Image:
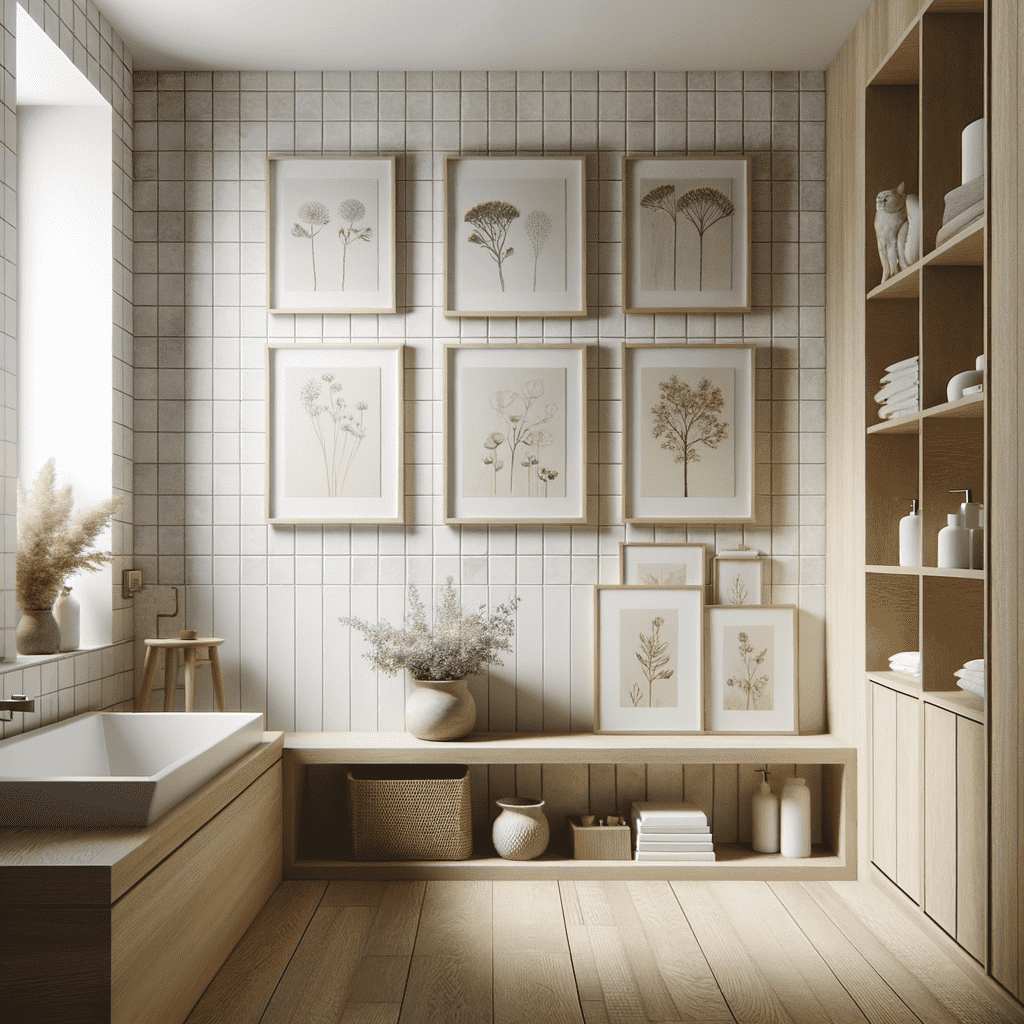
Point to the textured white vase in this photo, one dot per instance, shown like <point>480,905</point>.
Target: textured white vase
<point>795,819</point>
<point>521,831</point>
<point>440,709</point>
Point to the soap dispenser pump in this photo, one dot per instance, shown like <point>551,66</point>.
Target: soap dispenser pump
<point>910,536</point>
<point>765,808</point>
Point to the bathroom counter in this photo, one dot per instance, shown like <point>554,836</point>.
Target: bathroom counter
<point>97,866</point>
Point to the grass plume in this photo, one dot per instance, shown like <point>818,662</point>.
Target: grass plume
<point>53,543</point>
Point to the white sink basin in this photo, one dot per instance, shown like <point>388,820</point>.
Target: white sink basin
<point>106,769</point>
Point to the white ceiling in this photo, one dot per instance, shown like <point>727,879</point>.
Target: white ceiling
<point>528,35</point>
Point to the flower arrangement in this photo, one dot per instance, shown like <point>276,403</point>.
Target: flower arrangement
<point>53,543</point>
<point>459,644</point>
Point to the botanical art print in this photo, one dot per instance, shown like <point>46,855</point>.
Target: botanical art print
<point>514,236</point>
<point>749,663</point>
<point>648,658</point>
<point>515,433</point>
<point>648,673</point>
<point>737,580</point>
<point>335,441</point>
<point>331,234</point>
<point>686,234</point>
<point>342,409</point>
<point>662,565</point>
<point>689,447</point>
<point>518,432</point>
<point>687,432</point>
<point>752,684</point>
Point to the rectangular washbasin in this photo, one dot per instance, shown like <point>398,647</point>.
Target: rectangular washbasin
<point>105,769</point>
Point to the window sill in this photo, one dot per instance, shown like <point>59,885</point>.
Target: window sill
<point>29,660</point>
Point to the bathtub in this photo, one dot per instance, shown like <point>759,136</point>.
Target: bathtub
<point>105,769</point>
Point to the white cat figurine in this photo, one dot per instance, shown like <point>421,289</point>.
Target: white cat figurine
<point>890,217</point>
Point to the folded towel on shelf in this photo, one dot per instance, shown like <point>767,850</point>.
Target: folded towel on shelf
<point>969,673</point>
<point>975,686</point>
<point>906,661</point>
<point>971,214</point>
<point>887,412</point>
<point>896,394</point>
<point>977,665</point>
<point>963,197</point>
<point>903,364</point>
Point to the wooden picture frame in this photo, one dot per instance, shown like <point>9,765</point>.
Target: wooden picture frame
<point>648,659</point>
<point>651,564</point>
<point>335,434</point>
<point>738,580</point>
<point>743,672</point>
<point>515,236</point>
<point>686,234</point>
<point>667,390</point>
<point>515,434</point>
<point>330,241</point>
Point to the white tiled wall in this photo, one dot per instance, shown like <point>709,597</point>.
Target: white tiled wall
<point>98,679</point>
<point>275,593</point>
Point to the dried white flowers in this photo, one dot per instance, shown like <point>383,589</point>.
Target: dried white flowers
<point>52,542</point>
<point>459,645</point>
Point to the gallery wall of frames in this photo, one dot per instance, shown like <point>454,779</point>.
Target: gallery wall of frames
<point>569,252</point>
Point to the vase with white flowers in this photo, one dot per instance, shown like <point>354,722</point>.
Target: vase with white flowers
<point>439,658</point>
<point>53,544</point>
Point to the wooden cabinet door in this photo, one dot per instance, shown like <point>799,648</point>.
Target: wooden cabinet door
<point>971,872</point>
<point>908,795</point>
<point>940,771</point>
<point>883,779</point>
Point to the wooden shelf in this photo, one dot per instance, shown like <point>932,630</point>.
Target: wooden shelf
<point>839,787</point>
<point>965,249</point>
<point>902,681</point>
<point>970,407</point>
<point>564,748</point>
<point>734,861</point>
<point>926,570</point>
<point>961,702</point>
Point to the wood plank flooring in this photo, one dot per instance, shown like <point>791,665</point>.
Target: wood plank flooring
<point>644,952</point>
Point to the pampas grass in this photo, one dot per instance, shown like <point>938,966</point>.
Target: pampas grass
<point>53,543</point>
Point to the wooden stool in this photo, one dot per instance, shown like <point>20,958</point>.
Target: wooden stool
<point>170,647</point>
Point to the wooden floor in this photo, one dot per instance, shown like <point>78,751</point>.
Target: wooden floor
<point>591,953</point>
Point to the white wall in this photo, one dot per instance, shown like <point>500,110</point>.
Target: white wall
<point>275,593</point>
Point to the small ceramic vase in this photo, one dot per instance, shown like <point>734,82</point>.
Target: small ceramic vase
<point>521,831</point>
<point>68,613</point>
<point>37,632</point>
<point>440,709</point>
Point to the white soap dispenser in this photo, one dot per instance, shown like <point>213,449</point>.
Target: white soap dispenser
<point>910,536</point>
<point>970,510</point>
<point>953,550</point>
<point>765,810</point>
<point>795,819</point>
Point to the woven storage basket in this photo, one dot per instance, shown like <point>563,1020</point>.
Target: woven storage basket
<point>600,842</point>
<point>410,812</point>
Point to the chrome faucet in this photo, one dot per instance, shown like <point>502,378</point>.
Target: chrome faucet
<point>18,702</point>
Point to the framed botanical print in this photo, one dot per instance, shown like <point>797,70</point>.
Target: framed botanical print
<point>686,234</point>
<point>331,234</point>
<point>687,433</point>
<point>752,681</point>
<point>335,437</point>
<point>737,580</point>
<point>648,659</point>
<point>515,434</point>
<point>659,565</point>
<point>515,236</point>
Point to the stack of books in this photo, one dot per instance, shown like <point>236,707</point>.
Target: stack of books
<point>673,830</point>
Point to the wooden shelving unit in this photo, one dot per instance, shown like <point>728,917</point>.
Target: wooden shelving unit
<point>315,842</point>
<point>931,85</point>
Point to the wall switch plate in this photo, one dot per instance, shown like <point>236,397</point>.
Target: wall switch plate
<point>131,581</point>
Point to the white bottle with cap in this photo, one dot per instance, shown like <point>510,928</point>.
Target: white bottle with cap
<point>765,823</point>
<point>953,539</point>
<point>972,519</point>
<point>910,536</point>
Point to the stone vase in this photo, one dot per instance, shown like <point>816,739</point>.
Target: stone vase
<point>37,632</point>
<point>521,831</point>
<point>440,709</point>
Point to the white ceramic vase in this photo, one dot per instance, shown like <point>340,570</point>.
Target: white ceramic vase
<point>521,831</point>
<point>440,709</point>
<point>68,613</point>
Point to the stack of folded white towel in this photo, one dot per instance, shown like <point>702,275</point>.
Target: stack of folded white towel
<point>972,677</point>
<point>901,389</point>
<point>906,661</point>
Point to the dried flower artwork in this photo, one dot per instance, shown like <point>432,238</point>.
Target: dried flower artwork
<point>53,543</point>
<point>749,680</point>
<point>649,657</point>
<point>458,645</point>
